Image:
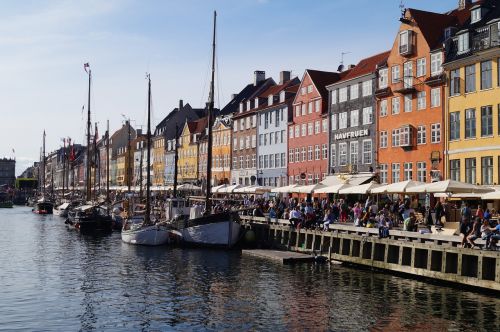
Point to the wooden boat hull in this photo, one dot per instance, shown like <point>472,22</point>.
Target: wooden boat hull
<point>153,235</point>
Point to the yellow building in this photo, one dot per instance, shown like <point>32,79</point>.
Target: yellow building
<point>221,151</point>
<point>121,167</point>
<point>188,150</point>
<point>158,159</point>
<point>473,102</point>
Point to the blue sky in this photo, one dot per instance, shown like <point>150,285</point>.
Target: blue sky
<point>45,43</point>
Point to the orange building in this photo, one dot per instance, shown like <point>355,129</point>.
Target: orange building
<point>410,98</point>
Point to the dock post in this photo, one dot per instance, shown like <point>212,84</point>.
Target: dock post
<point>459,264</point>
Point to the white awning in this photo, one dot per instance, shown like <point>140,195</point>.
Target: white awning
<point>352,179</point>
<point>361,189</point>
<point>285,189</point>
<point>334,189</point>
<point>397,188</point>
<point>308,189</point>
<point>450,186</point>
<point>188,186</point>
<point>228,189</point>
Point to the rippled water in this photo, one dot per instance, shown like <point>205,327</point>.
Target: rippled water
<point>54,279</point>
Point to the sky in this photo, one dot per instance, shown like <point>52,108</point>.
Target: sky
<point>44,44</point>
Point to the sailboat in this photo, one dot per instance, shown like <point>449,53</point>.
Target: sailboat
<point>139,229</point>
<point>205,229</point>
<point>90,217</point>
<point>43,205</point>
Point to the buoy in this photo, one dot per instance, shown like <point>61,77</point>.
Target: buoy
<point>249,236</point>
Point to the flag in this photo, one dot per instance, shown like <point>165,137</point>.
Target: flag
<point>85,66</point>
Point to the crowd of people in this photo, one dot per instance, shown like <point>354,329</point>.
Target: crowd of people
<point>404,214</point>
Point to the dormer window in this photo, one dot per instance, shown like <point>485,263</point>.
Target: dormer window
<point>463,42</point>
<point>256,102</point>
<point>241,107</point>
<point>448,32</point>
<point>270,100</point>
<point>406,42</point>
<point>282,96</point>
<point>475,15</point>
<point>249,104</point>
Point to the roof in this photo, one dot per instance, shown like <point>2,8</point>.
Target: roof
<point>198,126</point>
<point>276,89</point>
<point>323,78</point>
<point>248,92</point>
<point>366,66</point>
<point>176,117</point>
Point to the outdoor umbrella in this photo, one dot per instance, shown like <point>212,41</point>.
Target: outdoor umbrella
<point>361,189</point>
<point>449,186</point>
<point>397,188</point>
<point>334,189</point>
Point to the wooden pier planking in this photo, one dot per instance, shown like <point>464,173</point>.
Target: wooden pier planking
<point>285,257</point>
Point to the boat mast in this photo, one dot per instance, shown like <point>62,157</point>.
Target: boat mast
<point>107,161</point>
<point>88,184</point>
<point>64,166</point>
<point>97,186</point>
<point>140,171</point>
<point>43,163</point>
<point>129,173</point>
<point>176,155</point>
<point>209,116</point>
<point>148,159</point>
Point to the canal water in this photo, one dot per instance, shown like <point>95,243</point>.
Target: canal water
<point>54,279</point>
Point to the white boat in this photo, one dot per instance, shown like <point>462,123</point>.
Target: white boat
<point>218,234</point>
<point>61,210</point>
<point>135,232</point>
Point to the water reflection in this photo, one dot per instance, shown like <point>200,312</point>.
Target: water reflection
<point>67,281</point>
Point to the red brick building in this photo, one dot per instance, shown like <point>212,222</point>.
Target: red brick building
<point>308,130</point>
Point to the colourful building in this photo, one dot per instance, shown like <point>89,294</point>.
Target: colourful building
<point>308,129</point>
<point>473,103</point>
<point>188,150</point>
<point>221,150</point>
<point>158,159</point>
<point>410,95</point>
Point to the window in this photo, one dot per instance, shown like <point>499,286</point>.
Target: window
<point>235,162</point>
<point>310,128</point>
<point>396,169</point>
<point>304,130</point>
<point>354,152</point>
<point>383,107</point>
<point>407,171</point>
<point>354,118</point>
<point>382,78</point>
<point>463,42</point>
<point>486,73</point>
<point>470,78</point>
<point>421,171</point>
<point>395,105</point>
<point>487,170</point>
<point>408,74</point>
<point>309,88</point>
<point>486,121</point>
<point>290,132</point>
<point>395,74</point>
<point>303,90</point>
<point>404,45</point>
<point>317,128</point>
<point>317,152</point>
<point>266,161</point>
<point>334,121</point>
<point>297,155</point>
<point>317,105</point>
<point>310,107</point>
<point>342,95</point>
<point>408,103</point>
<point>271,161</point>
<point>421,135</point>
<point>290,156</point>
<point>242,143</point>
<point>405,136</point>
<point>436,63</point>
<point>455,169</point>
<point>455,82</point>
<point>354,91</point>
<point>297,111</point>
<point>248,161</point>
<point>334,97</point>
<point>310,153</point>
<point>265,139</point>
<point>235,144</point>
<point>297,131</point>
<point>333,156</point>
<point>367,151</point>
<point>324,149</point>
<point>475,15</point>
<point>436,97</point>
<point>283,159</point>
<point>242,164</point>
<point>283,137</point>
<point>247,142</point>
<point>383,173</point>
<point>435,133</point>
<point>470,123</point>
<point>470,170</point>
<point>383,139</point>
<point>367,88</point>
<point>342,154</point>
<point>454,126</point>
<point>395,137</point>
<point>343,120</point>
<point>421,100</point>
<point>254,139</point>
<point>367,115</point>
<point>303,109</point>
<point>325,125</point>
<point>421,67</point>
<point>242,124</point>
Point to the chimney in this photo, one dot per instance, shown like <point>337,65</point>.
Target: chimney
<point>284,76</point>
<point>233,96</point>
<point>258,76</point>
<point>139,132</point>
<point>351,66</point>
<point>462,4</point>
<point>181,104</point>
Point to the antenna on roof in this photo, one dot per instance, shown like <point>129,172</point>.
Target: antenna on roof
<point>341,67</point>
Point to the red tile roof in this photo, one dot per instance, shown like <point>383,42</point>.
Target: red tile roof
<point>366,66</point>
<point>196,127</point>
<point>323,78</point>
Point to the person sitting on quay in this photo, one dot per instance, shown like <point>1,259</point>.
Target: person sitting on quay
<point>475,232</point>
<point>486,233</point>
<point>495,236</point>
<point>295,217</point>
<point>327,219</point>
<point>357,214</point>
<point>465,219</point>
<point>410,223</point>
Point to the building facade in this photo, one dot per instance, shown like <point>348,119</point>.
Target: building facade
<point>308,129</point>
<point>353,132</point>
<point>244,154</point>
<point>473,103</point>
<point>272,130</point>
<point>221,150</point>
<point>7,171</point>
<point>410,95</point>
<point>188,150</point>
